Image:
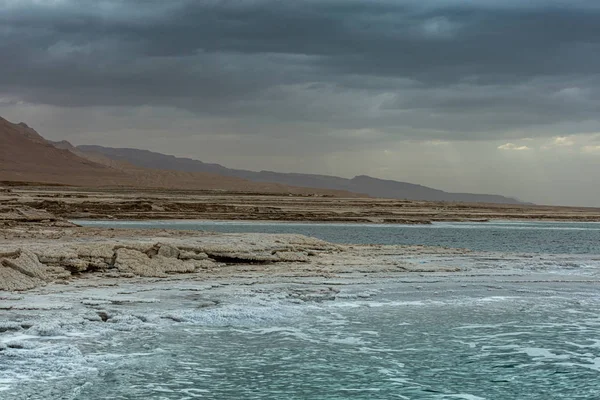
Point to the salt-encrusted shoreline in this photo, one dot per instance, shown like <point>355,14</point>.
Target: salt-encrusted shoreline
<point>33,261</point>
<point>38,249</point>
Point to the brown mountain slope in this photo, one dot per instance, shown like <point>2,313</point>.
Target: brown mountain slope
<point>25,156</point>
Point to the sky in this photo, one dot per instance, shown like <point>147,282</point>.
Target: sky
<point>488,96</point>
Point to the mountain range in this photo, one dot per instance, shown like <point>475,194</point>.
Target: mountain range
<point>25,156</point>
<point>359,184</point>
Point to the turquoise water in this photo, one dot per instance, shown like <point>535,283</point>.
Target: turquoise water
<point>531,333</point>
<point>378,341</point>
<point>391,347</point>
<point>528,237</point>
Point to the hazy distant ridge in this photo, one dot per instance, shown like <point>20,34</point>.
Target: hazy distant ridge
<point>25,156</point>
<point>359,184</point>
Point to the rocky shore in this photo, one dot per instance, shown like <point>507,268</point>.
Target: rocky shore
<point>39,248</point>
<point>94,254</point>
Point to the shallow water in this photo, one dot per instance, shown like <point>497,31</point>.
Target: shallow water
<point>527,237</point>
<point>383,348</point>
<point>512,326</point>
<point>418,339</point>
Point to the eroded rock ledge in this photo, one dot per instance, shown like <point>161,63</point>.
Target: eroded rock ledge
<point>38,248</point>
<point>35,263</point>
<point>32,262</point>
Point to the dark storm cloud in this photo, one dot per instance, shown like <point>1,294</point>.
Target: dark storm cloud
<point>452,69</point>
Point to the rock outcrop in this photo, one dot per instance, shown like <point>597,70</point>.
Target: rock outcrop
<point>38,263</point>
<point>37,248</point>
<point>21,270</point>
<point>140,264</point>
<point>12,280</point>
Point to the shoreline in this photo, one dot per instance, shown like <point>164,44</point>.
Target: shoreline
<point>40,245</point>
<point>313,223</point>
<point>63,255</point>
<point>37,255</point>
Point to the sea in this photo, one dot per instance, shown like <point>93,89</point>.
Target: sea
<point>522,323</point>
<point>504,236</point>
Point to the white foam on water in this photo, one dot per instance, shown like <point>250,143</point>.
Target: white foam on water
<point>511,334</point>
<point>348,340</point>
<point>192,392</point>
<point>463,396</point>
<point>594,366</point>
<point>595,344</point>
<point>347,304</point>
<point>44,362</point>
<point>540,353</point>
<point>372,333</point>
<point>485,326</point>
<point>286,331</point>
<point>16,338</point>
<point>463,301</point>
<point>5,384</point>
<point>49,329</point>
<point>382,350</point>
<point>237,315</point>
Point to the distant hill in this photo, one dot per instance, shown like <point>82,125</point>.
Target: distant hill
<point>25,156</point>
<point>360,184</point>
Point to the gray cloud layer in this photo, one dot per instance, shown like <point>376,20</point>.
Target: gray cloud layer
<point>402,67</point>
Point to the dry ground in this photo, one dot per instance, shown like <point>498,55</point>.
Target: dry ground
<point>81,203</point>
